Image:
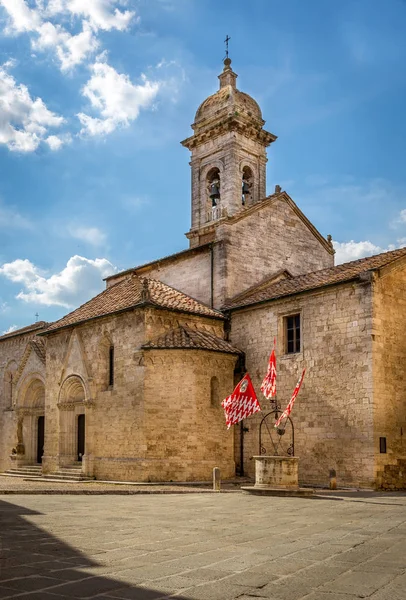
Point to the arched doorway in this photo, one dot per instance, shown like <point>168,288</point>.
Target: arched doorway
<point>72,426</point>
<point>31,420</point>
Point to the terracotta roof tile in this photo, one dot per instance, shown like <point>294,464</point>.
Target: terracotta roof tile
<point>24,330</point>
<point>129,293</point>
<point>317,279</point>
<point>191,339</point>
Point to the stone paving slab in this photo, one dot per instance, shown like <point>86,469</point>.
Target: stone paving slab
<point>202,547</point>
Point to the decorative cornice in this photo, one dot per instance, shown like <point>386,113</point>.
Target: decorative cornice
<point>249,130</point>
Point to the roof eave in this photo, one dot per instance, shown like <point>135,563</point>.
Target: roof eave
<point>234,352</point>
<point>145,304</point>
<point>229,309</point>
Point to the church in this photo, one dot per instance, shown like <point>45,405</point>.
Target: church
<point>128,387</point>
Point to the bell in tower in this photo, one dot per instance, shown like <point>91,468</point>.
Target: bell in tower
<point>228,161</point>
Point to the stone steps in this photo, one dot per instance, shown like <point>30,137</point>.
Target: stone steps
<point>58,476</point>
<point>34,472</point>
<point>26,471</point>
<point>68,473</point>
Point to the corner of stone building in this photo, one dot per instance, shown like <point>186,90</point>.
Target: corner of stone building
<point>389,376</point>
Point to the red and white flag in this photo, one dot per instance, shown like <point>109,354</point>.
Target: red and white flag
<point>289,407</point>
<point>242,403</point>
<point>268,386</point>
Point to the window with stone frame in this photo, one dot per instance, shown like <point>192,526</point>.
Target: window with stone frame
<point>293,334</point>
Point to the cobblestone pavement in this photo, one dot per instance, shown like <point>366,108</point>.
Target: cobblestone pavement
<point>203,546</point>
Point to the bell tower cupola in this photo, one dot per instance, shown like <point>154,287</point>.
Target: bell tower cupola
<point>228,156</point>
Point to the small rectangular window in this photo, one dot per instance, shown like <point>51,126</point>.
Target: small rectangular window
<point>382,445</point>
<point>292,334</point>
<point>111,366</point>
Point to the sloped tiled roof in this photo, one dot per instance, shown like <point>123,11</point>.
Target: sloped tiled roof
<point>317,279</point>
<point>191,339</point>
<point>24,330</point>
<point>129,293</point>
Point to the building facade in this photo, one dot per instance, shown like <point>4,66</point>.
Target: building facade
<point>130,384</point>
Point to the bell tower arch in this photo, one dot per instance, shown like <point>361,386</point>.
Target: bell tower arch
<point>228,156</point>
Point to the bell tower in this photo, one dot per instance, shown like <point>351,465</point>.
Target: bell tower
<point>228,157</point>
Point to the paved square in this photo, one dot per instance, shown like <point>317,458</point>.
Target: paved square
<point>203,546</point>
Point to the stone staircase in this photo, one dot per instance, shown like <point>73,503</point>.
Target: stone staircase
<point>26,472</point>
<point>70,473</point>
<point>34,472</point>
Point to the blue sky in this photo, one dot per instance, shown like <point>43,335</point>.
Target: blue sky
<point>95,97</point>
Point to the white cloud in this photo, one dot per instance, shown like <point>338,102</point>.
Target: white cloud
<point>10,329</point>
<point>10,218</point>
<point>348,251</point>
<point>77,282</point>
<point>400,219</point>
<point>24,122</point>
<point>54,142</point>
<point>71,50</point>
<point>116,98</point>
<point>102,14</point>
<point>22,18</point>
<point>39,20</point>
<point>90,235</point>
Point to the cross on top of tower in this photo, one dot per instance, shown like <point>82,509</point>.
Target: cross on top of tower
<point>226,43</point>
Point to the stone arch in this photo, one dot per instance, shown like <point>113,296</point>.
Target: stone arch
<point>73,397</point>
<point>30,406</point>
<point>248,184</point>
<point>213,186</point>
<point>73,390</point>
<point>30,392</point>
<point>9,383</point>
<point>207,173</point>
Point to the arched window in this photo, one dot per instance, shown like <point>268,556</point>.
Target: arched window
<point>214,392</point>
<point>213,186</point>
<point>246,185</point>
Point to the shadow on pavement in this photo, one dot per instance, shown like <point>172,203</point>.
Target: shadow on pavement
<point>38,566</point>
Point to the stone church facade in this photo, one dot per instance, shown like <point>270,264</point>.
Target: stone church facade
<point>129,385</point>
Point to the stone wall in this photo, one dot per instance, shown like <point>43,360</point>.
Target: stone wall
<point>15,353</point>
<point>265,240</point>
<point>123,420</point>
<point>333,413</point>
<point>247,249</point>
<point>189,274</point>
<point>389,375</point>
<point>230,153</point>
<point>185,431</point>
